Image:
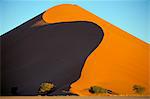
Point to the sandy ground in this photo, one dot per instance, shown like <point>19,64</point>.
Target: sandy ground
<point>73,97</point>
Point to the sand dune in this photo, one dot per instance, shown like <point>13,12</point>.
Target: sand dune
<point>119,62</point>
<point>58,43</point>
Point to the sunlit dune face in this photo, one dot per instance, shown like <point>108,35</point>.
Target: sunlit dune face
<point>63,13</point>
<point>67,13</point>
<point>118,63</point>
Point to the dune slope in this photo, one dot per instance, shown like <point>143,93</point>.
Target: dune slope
<point>119,62</point>
<point>52,53</point>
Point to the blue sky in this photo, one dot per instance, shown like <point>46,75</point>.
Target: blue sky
<point>129,15</point>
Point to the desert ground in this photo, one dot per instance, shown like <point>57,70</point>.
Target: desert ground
<point>74,97</point>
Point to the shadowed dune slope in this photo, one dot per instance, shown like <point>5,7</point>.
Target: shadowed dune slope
<point>119,62</point>
<point>54,52</point>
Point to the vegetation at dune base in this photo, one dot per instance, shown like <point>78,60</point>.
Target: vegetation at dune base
<point>45,88</point>
<point>99,90</point>
<point>138,89</point>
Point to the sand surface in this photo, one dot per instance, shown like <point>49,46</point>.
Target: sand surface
<point>119,62</point>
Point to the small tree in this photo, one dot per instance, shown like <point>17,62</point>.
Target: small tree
<point>97,89</point>
<point>138,89</point>
<point>46,88</point>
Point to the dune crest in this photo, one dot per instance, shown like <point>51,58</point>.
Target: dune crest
<point>119,62</point>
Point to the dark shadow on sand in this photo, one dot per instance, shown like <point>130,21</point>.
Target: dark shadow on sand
<point>53,52</point>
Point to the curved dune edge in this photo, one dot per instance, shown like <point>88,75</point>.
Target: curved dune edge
<point>119,62</point>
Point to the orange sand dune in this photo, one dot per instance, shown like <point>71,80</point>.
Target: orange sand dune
<point>118,63</point>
